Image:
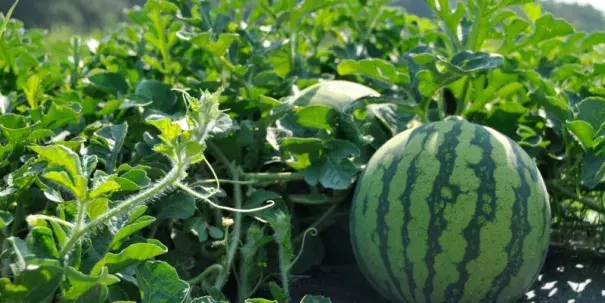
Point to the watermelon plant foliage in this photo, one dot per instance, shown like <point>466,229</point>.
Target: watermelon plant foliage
<point>168,161</point>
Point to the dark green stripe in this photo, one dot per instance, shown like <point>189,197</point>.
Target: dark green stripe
<point>366,270</point>
<point>405,198</point>
<point>520,228</point>
<point>484,171</point>
<point>446,155</point>
<point>382,229</point>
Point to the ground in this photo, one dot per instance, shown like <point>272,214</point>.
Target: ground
<point>568,276</point>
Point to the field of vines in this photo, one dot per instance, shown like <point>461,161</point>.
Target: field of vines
<point>172,160</point>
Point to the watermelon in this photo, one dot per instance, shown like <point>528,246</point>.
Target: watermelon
<point>450,211</point>
<point>332,93</point>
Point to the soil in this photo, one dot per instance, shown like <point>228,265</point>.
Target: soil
<point>567,277</point>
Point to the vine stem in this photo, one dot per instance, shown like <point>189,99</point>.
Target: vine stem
<point>317,222</point>
<point>592,204</point>
<point>169,180</point>
<point>274,177</point>
<point>200,196</point>
<point>205,273</point>
<point>237,228</point>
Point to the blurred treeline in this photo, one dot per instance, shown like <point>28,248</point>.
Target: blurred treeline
<point>80,16</point>
<point>583,17</point>
<point>83,16</point>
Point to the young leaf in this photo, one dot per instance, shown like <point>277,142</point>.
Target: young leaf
<point>103,188</point>
<point>97,207</point>
<point>130,229</point>
<point>42,243</point>
<point>81,283</point>
<point>160,283</point>
<point>61,156</point>
<point>130,255</point>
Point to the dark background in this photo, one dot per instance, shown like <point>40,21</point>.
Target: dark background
<point>84,16</point>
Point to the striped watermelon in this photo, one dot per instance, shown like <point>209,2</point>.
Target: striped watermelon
<point>450,211</point>
<point>333,93</point>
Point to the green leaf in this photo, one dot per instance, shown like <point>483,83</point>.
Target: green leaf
<point>42,242</point>
<point>331,173</point>
<point>215,232</point>
<point>130,255</point>
<point>557,107</point>
<point>582,132</point>
<point>259,300</point>
<point>218,47</point>
<point>170,130</point>
<point>36,284</point>
<point>341,149</point>
<point>197,226</point>
<point>304,7</point>
<point>81,283</point>
<point>467,62</point>
<point>103,188</point>
<point>314,299</point>
<point>178,205</point>
<point>63,179</point>
<point>112,82</point>
<point>61,156</point>
<point>59,233</point>
<point>160,283</point>
<point>15,128</point>
<point>375,68</point>
<point>277,292</point>
<point>20,253</point>
<point>97,207</point>
<point>138,177</point>
<point>5,219</point>
<point>60,115</point>
<point>593,169</point>
<point>107,143</point>
<point>316,116</point>
<point>158,94</point>
<point>592,110</point>
<point>129,230</point>
<point>548,27</point>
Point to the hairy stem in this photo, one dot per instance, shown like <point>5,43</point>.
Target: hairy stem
<point>274,177</point>
<point>284,268</point>
<point>169,180</point>
<point>200,196</point>
<point>237,224</point>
